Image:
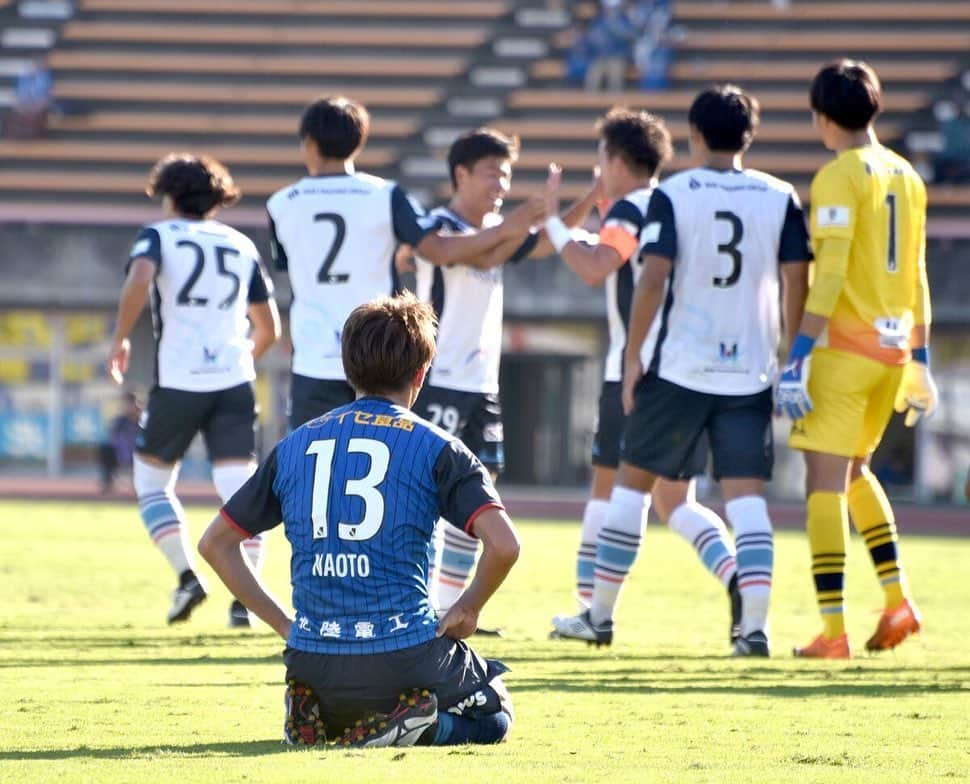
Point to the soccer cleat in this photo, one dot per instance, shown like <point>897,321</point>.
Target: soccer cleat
<point>239,616</point>
<point>580,627</point>
<point>736,608</point>
<point>488,631</point>
<point>822,648</point>
<point>753,644</point>
<point>189,595</point>
<point>413,715</point>
<point>895,625</point>
<point>303,725</point>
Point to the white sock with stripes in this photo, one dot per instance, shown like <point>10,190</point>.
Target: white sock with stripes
<point>752,536</point>
<point>594,516</point>
<point>162,513</point>
<point>457,562</point>
<point>616,549</point>
<point>705,531</point>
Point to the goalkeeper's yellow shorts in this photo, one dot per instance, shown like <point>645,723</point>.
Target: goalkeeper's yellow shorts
<point>852,402</point>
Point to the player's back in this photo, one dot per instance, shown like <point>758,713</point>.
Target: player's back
<point>873,198</point>
<point>721,318</point>
<point>335,236</point>
<point>205,272</point>
<point>360,495</point>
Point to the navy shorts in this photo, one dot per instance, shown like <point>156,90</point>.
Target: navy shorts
<point>313,397</point>
<point>351,687</point>
<point>226,419</point>
<point>669,421</point>
<point>473,417</point>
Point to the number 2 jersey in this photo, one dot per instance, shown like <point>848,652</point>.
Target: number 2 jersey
<point>335,235</point>
<point>725,233</point>
<point>359,491</point>
<point>876,200</point>
<point>207,274</point>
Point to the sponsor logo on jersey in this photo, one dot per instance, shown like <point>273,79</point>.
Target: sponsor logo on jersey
<point>832,216</point>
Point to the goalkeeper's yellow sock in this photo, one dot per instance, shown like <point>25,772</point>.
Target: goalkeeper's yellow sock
<point>828,524</point>
<point>874,520</point>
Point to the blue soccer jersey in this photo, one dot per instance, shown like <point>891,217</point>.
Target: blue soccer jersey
<point>359,491</point>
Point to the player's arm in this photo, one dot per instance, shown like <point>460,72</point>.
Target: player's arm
<point>143,265</point>
<point>264,316</point>
<point>794,255</point>
<point>466,494</point>
<point>592,263</point>
<point>253,509</point>
<point>644,306</point>
<point>573,217</point>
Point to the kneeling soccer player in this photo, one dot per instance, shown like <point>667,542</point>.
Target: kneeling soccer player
<point>359,491</point>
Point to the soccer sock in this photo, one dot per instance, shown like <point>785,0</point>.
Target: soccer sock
<point>828,524</point>
<point>706,533</point>
<point>457,561</point>
<point>594,515</point>
<point>873,518</point>
<point>453,730</point>
<point>228,478</point>
<point>616,549</point>
<point>161,512</point>
<point>755,554</point>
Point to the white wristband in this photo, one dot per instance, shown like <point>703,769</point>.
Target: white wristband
<point>558,233</point>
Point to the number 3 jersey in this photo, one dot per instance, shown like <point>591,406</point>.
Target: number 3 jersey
<point>207,274</point>
<point>725,233</point>
<point>335,235</point>
<point>359,491</point>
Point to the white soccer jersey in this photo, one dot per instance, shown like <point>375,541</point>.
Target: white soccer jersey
<point>726,232</point>
<point>621,230</point>
<point>336,235</point>
<point>207,275</point>
<point>469,305</point>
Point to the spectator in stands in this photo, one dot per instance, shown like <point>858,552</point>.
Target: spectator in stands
<point>610,38</point>
<point>32,102</point>
<point>578,54</point>
<point>651,52</point>
<point>117,451</point>
<point>952,165</point>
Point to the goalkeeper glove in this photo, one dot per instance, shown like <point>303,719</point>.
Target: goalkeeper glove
<point>792,398</point>
<point>917,393</point>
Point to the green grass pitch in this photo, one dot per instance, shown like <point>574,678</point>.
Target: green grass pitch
<point>94,687</point>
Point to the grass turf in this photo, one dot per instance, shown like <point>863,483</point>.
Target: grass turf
<point>94,687</point>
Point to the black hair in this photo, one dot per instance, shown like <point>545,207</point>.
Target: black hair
<point>197,184</point>
<point>641,139</point>
<point>472,146</point>
<point>848,93</point>
<point>726,116</point>
<point>337,125</point>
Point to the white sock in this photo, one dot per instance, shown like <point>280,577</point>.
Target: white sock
<point>457,562</point>
<point>617,548</point>
<point>755,553</point>
<point>228,478</point>
<point>162,513</point>
<point>706,533</point>
<point>434,564</point>
<point>594,516</point>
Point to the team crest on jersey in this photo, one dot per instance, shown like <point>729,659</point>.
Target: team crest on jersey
<point>834,216</point>
<point>728,352</point>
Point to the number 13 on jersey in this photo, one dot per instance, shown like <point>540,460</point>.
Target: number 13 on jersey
<point>365,488</point>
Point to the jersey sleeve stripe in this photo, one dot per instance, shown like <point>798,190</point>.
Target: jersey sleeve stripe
<point>234,524</point>
<point>474,515</point>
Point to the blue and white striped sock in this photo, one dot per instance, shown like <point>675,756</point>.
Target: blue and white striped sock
<point>752,536</point>
<point>616,549</point>
<point>161,512</point>
<point>594,515</point>
<point>457,562</point>
<point>705,531</point>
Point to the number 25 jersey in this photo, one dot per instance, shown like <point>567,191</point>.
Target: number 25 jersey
<point>725,233</point>
<point>207,274</point>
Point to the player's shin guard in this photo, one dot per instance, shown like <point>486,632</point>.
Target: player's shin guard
<point>705,531</point>
<point>594,515</point>
<point>162,513</point>
<point>755,556</point>
<point>228,478</point>
<point>827,526</point>
<point>616,549</point>
<point>457,561</point>
<point>874,520</point>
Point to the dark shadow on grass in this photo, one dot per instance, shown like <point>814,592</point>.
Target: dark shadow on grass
<point>139,661</point>
<point>256,748</point>
<point>121,638</point>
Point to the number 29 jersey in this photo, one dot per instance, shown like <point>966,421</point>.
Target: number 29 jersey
<point>207,274</point>
<point>725,233</point>
<point>335,235</point>
<point>359,491</point>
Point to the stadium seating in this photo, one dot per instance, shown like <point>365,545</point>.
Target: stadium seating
<point>135,78</point>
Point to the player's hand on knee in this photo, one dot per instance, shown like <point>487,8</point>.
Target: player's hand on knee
<point>917,394</point>
<point>791,398</point>
<point>459,622</point>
